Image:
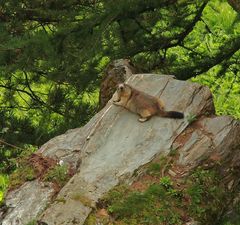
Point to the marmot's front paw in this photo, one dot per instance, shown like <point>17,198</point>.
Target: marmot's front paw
<point>142,119</point>
<point>115,102</point>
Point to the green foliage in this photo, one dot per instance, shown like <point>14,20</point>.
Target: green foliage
<point>155,169</point>
<point>149,207</point>
<point>58,174</point>
<point>191,118</point>
<point>166,182</point>
<point>201,197</point>
<point>3,186</point>
<point>207,195</point>
<point>153,206</point>
<point>10,160</point>
<point>132,205</point>
<point>225,89</point>
<point>33,222</point>
<point>116,194</point>
<point>24,172</point>
<point>173,151</point>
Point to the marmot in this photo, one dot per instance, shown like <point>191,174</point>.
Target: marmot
<point>142,103</point>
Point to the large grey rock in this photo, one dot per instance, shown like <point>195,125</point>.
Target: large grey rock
<point>25,203</point>
<point>67,148</point>
<point>217,136</point>
<point>113,145</point>
<point>120,144</point>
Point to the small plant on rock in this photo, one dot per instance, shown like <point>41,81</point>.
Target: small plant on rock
<point>24,172</point>
<point>166,182</point>
<point>58,174</point>
<point>191,118</point>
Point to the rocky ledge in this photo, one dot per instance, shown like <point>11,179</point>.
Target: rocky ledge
<point>113,146</point>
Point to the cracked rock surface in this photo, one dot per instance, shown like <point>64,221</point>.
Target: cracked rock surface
<point>25,203</point>
<point>113,145</point>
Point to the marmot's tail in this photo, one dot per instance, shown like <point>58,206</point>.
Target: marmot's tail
<point>172,114</point>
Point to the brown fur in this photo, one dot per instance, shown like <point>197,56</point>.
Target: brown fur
<point>142,103</point>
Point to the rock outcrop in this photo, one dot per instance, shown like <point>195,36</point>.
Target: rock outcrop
<point>116,72</point>
<point>114,145</point>
<point>27,202</point>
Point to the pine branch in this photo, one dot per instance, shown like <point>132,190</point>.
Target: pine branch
<point>205,64</point>
<point>191,50</point>
<point>157,44</point>
<point>34,97</point>
<point>178,39</point>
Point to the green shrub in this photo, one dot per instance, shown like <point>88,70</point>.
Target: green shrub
<point>58,174</point>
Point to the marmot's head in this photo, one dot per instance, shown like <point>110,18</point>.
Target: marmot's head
<point>123,90</point>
